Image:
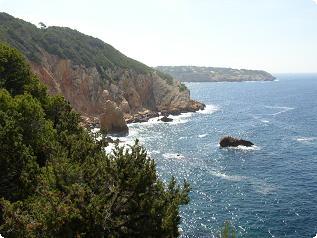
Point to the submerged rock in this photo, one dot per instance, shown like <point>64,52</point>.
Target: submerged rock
<point>229,141</point>
<point>142,117</point>
<point>166,119</point>
<point>112,141</point>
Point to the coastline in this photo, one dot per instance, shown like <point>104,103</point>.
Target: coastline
<point>136,128</point>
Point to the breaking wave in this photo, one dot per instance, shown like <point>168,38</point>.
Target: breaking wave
<point>209,109</point>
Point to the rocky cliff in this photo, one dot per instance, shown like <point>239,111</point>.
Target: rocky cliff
<point>100,82</point>
<point>214,74</point>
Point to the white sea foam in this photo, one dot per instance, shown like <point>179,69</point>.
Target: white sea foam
<point>109,148</point>
<point>155,152</point>
<point>282,110</point>
<point>173,156</point>
<point>244,148</point>
<point>261,186</point>
<point>264,121</point>
<point>95,130</point>
<point>177,119</point>
<point>234,178</point>
<point>209,109</point>
<point>123,140</point>
<point>180,119</point>
<point>202,135</point>
<point>242,228</point>
<point>306,140</point>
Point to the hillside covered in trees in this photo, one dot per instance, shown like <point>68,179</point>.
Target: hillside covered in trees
<point>64,42</point>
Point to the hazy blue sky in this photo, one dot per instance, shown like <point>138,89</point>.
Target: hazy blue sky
<point>274,35</point>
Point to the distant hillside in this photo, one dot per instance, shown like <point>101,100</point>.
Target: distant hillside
<point>98,80</point>
<point>213,74</point>
<point>65,43</point>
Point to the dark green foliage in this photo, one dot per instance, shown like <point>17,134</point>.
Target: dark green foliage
<point>67,44</point>
<point>13,71</point>
<point>182,87</point>
<point>169,79</point>
<point>56,179</point>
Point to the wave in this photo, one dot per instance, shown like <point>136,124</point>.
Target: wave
<point>261,186</point>
<point>180,119</point>
<point>209,109</point>
<point>243,148</point>
<point>154,152</point>
<point>283,110</point>
<point>177,119</point>
<point>123,140</point>
<point>306,139</point>
<point>202,135</point>
<point>234,178</point>
<point>260,118</point>
<point>173,156</point>
<point>265,121</point>
<point>258,185</point>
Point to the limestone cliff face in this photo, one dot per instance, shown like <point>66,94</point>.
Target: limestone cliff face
<point>132,92</point>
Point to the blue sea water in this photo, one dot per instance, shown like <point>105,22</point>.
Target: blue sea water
<point>269,190</point>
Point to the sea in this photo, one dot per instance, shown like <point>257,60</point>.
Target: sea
<point>268,190</point>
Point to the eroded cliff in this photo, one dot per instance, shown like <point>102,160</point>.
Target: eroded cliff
<point>134,94</point>
<point>99,81</point>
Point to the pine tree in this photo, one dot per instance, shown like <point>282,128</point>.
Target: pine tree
<point>57,180</point>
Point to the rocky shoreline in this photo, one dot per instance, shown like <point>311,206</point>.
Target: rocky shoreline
<point>140,117</point>
<point>147,114</point>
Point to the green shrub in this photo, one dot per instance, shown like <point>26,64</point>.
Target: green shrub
<point>182,87</point>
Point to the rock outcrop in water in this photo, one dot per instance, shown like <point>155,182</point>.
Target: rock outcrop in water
<point>214,74</point>
<point>112,119</point>
<point>166,119</point>
<point>90,73</point>
<point>229,141</point>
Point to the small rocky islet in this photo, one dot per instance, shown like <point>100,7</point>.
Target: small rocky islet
<point>229,141</point>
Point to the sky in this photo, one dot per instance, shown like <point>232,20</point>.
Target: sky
<point>279,36</point>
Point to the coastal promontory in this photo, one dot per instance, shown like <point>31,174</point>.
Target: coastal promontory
<point>214,74</point>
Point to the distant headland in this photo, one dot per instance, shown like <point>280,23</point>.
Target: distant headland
<point>214,74</point>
